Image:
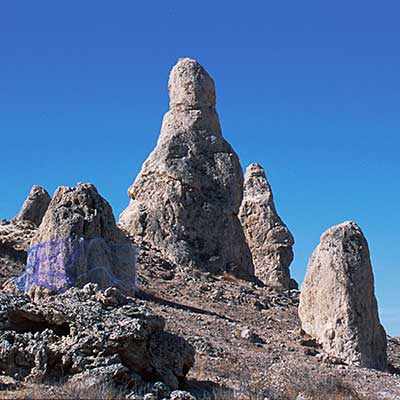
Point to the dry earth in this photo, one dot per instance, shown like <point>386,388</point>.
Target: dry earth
<point>248,338</point>
<point>248,342</point>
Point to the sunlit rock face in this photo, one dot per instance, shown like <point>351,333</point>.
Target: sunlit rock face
<point>35,206</point>
<point>78,242</point>
<point>337,303</point>
<point>269,239</point>
<point>186,199</point>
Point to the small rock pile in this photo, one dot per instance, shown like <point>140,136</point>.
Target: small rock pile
<point>160,391</point>
<point>87,335</point>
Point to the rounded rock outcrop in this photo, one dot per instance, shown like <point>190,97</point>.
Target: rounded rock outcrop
<point>338,307</point>
<point>190,86</point>
<point>79,242</point>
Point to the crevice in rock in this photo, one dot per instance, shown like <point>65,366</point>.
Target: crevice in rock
<point>21,323</point>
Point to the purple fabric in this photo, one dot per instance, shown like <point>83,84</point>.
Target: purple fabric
<point>59,264</point>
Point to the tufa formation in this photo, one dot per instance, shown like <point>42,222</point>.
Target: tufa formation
<point>16,235</point>
<point>34,206</point>
<point>86,335</point>
<point>269,239</point>
<point>186,199</point>
<point>78,242</point>
<point>337,302</point>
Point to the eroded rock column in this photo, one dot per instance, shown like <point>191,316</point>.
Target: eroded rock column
<point>186,199</point>
<point>337,304</point>
<point>269,239</point>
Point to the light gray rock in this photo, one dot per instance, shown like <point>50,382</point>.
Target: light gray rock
<point>34,206</point>
<point>181,395</point>
<point>88,336</point>
<point>337,303</point>
<point>269,239</point>
<point>78,242</point>
<point>186,199</point>
<point>15,238</point>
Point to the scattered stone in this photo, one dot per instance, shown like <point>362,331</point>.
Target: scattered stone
<point>308,351</point>
<point>150,396</point>
<point>161,390</point>
<point>35,206</point>
<point>181,395</point>
<point>268,237</point>
<point>186,199</point>
<point>337,303</point>
<point>7,383</point>
<point>77,335</point>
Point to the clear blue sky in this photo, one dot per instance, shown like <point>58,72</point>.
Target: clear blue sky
<point>309,90</point>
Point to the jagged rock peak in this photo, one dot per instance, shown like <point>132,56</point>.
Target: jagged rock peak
<point>34,206</point>
<point>256,183</point>
<point>190,86</point>
<point>269,239</point>
<point>186,199</point>
<point>338,307</point>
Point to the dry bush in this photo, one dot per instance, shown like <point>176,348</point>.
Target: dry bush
<point>316,387</point>
<point>70,392</point>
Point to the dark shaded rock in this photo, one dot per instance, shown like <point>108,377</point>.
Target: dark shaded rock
<point>87,333</point>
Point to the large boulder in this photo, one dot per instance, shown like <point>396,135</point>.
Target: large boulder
<point>269,239</point>
<point>35,206</point>
<point>338,307</point>
<point>78,242</point>
<point>86,335</point>
<point>186,199</point>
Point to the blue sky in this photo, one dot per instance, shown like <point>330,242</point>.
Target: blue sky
<point>309,90</point>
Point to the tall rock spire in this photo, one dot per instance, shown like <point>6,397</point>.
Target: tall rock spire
<point>186,199</point>
<point>269,239</point>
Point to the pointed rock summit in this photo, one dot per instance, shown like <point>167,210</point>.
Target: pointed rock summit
<point>338,307</point>
<point>78,242</point>
<point>186,199</point>
<point>34,206</point>
<point>269,239</point>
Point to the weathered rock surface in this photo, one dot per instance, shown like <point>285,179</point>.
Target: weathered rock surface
<point>78,242</point>
<point>85,333</point>
<point>16,235</point>
<point>15,238</point>
<point>34,206</point>
<point>337,304</point>
<point>269,239</point>
<point>186,199</point>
